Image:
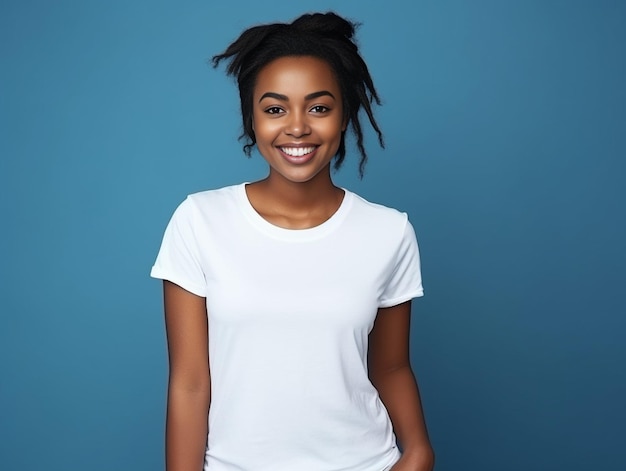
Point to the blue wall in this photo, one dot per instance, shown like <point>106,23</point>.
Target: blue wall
<point>506,132</point>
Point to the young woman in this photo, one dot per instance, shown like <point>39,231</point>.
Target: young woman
<point>299,290</point>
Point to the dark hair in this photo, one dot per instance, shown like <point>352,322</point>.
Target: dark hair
<point>326,36</point>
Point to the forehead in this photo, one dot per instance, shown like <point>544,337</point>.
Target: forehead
<point>296,75</point>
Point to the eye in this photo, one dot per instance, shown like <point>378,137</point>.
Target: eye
<point>274,110</point>
<point>320,109</point>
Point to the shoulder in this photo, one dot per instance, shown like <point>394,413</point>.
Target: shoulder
<point>210,202</point>
<point>215,197</point>
<point>378,217</point>
<point>206,208</point>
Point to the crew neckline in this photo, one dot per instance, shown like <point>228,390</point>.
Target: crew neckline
<point>293,235</point>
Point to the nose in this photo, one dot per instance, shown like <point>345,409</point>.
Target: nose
<point>297,124</point>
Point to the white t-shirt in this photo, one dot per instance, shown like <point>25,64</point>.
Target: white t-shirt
<point>289,316</point>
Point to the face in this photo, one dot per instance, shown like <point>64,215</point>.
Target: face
<point>297,117</point>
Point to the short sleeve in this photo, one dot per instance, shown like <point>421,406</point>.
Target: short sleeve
<point>178,259</point>
<point>405,280</point>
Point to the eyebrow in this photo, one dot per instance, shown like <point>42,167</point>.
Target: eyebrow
<point>310,96</point>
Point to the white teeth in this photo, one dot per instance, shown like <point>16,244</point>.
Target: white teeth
<point>297,151</point>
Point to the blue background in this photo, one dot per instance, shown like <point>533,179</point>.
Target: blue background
<point>506,130</point>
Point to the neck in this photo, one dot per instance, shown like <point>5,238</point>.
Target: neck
<point>295,205</point>
<point>301,196</point>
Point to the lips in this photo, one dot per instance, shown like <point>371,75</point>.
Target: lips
<point>297,154</point>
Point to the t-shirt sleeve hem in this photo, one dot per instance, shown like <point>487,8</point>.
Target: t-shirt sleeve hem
<point>193,288</point>
<point>400,299</point>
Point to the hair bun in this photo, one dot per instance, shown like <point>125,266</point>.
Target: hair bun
<point>326,24</point>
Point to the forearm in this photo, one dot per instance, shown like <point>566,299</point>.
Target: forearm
<point>399,392</point>
<point>186,428</point>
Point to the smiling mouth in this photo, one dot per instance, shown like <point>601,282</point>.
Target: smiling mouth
<point>297,151</point>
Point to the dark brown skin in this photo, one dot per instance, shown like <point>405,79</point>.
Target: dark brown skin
<point>189,390</point>
<point>293,196</point>
<point>390,372</point>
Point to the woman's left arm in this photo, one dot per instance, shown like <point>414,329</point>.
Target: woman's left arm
<point>390,372</point>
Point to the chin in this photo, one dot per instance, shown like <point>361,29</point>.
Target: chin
<point>303,175</point>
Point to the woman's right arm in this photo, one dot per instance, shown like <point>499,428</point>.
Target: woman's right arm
<point>189,386</point>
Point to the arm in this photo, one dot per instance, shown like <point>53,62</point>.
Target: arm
<point>391,374</point>
<point>189,387</point>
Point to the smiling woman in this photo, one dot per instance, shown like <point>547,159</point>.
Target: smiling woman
<point>298,117</point>
<point>300,290</point>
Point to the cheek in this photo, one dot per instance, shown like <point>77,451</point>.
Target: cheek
<point>265,131</point>
<point>334,129</point>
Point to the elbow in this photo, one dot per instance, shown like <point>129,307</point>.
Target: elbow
<point>378,375</point>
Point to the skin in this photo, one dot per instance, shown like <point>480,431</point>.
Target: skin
<point>297,103</point>
<point>189,386</point>
<point>390,371</point>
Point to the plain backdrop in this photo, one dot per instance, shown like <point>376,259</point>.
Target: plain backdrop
<point>505,124</point>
